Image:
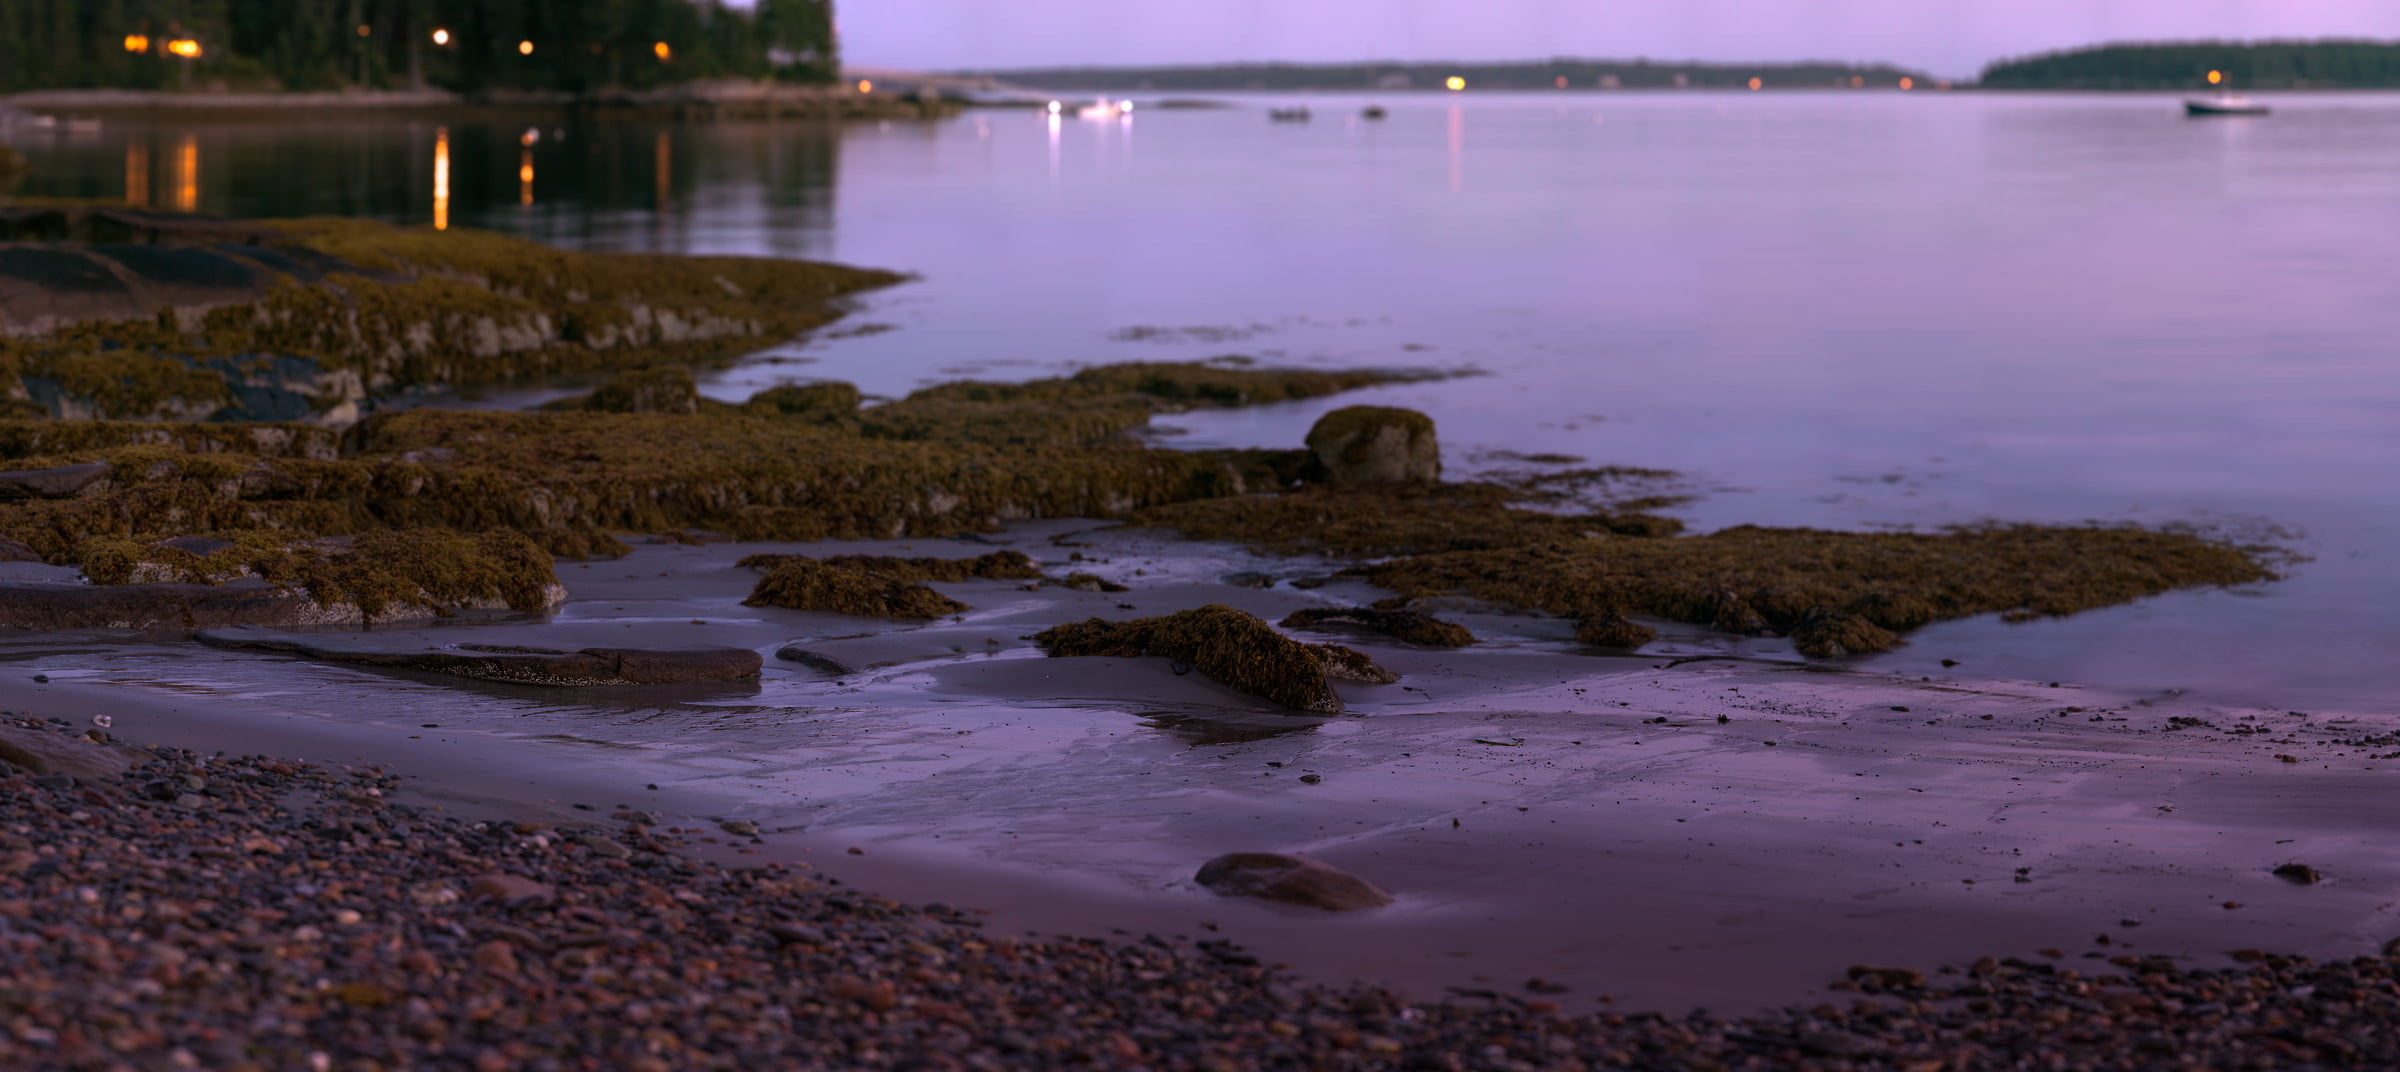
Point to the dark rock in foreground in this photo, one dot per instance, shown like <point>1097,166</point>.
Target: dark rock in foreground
<point>517,665</point>
<point>1297,880</point>
<point>50,605</point>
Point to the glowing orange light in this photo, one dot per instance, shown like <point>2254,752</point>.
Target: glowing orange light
<point>1560,81</point>
<point>866,85</point>
<point>441,179</point>
<point>2215,77</point>
<point>441,37</point>
<point>1908,83</point>
<point>525,177</point>
<point>1857,81</point>
<point>365,30</point>
<point>1456,83</point>
<point>184,47</point>
<point>1757,82</point>
<point>524,48</point>
<point>136,43</point>
<point>665,53</point>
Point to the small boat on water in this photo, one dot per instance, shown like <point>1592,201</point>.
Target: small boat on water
<point>2222,104</point>
<point>1287,115</point>
<point>1373,111</point>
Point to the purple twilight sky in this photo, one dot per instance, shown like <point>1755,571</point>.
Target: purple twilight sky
<point>1947,37</point>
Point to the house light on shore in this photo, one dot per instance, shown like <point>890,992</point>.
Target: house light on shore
<point>663,51</point>
<point>136,43</point>
<point>441,37</point>
<point>2215,77</point>
<point>524,48</point>
<point>866,85</point>
<point>1908,83</point>
<point>184,47</point>
<point>1455,83</point>
<point>1757,82</point>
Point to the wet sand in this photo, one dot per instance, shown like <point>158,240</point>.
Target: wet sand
<point>1520,797</point>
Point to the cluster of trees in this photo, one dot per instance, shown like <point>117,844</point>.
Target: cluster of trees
<point>1544,74</point>
<point>574,45</point>
<point>2185,64</point>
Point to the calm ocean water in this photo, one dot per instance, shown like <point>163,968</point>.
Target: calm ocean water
<point>1831,309</point>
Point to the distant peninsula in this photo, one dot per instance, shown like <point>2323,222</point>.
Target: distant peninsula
<point>1526,75</point>
<point>2186,64</point>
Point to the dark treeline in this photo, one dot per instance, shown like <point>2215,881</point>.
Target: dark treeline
<point>1540,74</point>
<point>2185,65</point>
<point>576,45</point>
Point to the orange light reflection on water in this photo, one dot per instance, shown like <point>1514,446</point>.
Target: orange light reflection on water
<point>525,177</point>
<point>187,174</point>
<point>137,173</point>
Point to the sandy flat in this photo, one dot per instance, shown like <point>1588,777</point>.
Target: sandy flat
<point>1518,796</point>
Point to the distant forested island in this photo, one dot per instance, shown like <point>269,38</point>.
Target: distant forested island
<point>1542,74</point>
<point>264,45</point>
<point>2185,65</point>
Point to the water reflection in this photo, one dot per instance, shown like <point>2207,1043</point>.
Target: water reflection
<point>187,174</point>
<point>608,185</point>
<point>137,174</point>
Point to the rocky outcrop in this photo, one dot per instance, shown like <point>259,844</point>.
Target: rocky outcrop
<point>1296,880</point>
<point>1406,625</point>
<point>517,665</point>
<point>149,316</point>
<point>1375,445</point>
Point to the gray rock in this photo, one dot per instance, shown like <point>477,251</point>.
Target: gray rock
<point>793,653</point>
<point>1375,445</point>
<point>518,665</point>
<point>50,606</point>
<point>1298,880</point>
<point>59,483</point>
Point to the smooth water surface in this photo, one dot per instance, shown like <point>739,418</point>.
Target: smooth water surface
<point>1829,309</point>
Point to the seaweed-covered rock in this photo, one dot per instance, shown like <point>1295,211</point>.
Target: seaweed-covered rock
<point>1297,880</point>
<point>51,607</point>
<point>1851,591</point>
<point>1376,445</point>
<point>656,390</point>
<point>1350,664</point>
<point>807,584</point>
<point>373,576</point>
<point>1613,631</point>
<point>1405,625</point>
<point>1390,519</point>
<point>1233,648</point>
<point>518,665</point>
<point>823,403</point>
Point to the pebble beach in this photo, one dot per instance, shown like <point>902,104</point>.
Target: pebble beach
<point>246,912</point>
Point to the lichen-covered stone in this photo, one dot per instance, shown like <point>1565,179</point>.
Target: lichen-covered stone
<point>1376,445</point>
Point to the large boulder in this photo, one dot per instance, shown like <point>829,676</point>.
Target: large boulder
<point>1375,445</point>
<point>42,752</point>
<point>517,665</point>
<point>1297,880</point>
